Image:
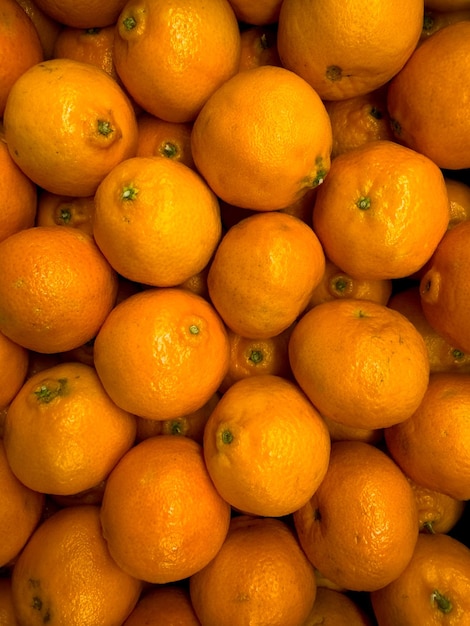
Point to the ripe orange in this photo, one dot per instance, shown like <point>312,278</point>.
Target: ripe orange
<point>46,27</point>
<point>54,442</point>
<point>82,13</point>
<point>58,210</point>
<point>458,193</point>
<point>336,608</point>
<point>20,512</point>
<point>56,288</point>
<point>7,612</point>
<point>360,363</point>
<point>258,13</point>
<point>433,589</point>
<point>421,98</point>
<point>437,512</point>
<point>360,527</point>
<point>266,447</point>
<point>157,137</point>
<point>182,53</point>
<point>164,605</point>
<point>14,362</point>
<point>258,47</point>
<point>433,445</point>
<point>345,49</point>
<point>81,125</point>
<point>260,575</point>
<point>243,160</point>
<point>434,20</point>
<point>156,221</point>
<point>161,515</point>
<point>263,273</point>
<point>342,432</point>
<point>381,211</point>
<point>65,574</point>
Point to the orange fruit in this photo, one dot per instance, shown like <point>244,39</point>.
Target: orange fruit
<point>342,432</point>
<point>156,221</point>
<point>435,20</point>
<point>81,109</point>
<point>266,447</point>
<point>151,373</point>
<point>458,193</point>
<point>164,605</point>
<point>423,117</point>
<point>444,300</point>
<point>20,513</point>
<point>263,273</point>
<point>381,211</point>
<point>54,442</point>
<point>7,612</point>
<point>46,27</point>
<point>346,49</point>
<point>56,288</point>
<point>82,13</point>
<point>260,575</point>
<point>262,170</point>
<point>65,574</point>
<point>183,53</point>
<point>58,210</point>
<point>361,363</point>
<point>258,13</point>
<point>162,517</point>
<point>437,512</point>
<point>157,137</point>
<point>14,362</point>
<point>337,609</point>
<point>360,527</point>
<point>433,445</point>
<point>258,47</point>
<point>433,589</point>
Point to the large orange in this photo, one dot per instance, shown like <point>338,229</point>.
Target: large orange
<point>172,361</point>
<point>266,447</point>
<point>171,58</point>
<point>82,13</point>
<point>14,362</point>
<point>56,288</point>
<point>263,273</point>
<point>245,162</point>
<point>360,527</point>
<point>344,49</point>
<point>161,515</point>
<point>422,98</point>
<point>164,605</point>
<point>81,125</point>
<point>65,574</point>
<point>260,575</point>
<point>360,362</point>
<point>381,211</point>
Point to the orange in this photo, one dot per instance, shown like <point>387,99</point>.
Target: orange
<point>435,20</point>
<point>433,445</point>
<point>157,137</point>
<point>444,299</point>
<point>433,589</point>
<point>153,371</point>
<point>7,612</point>
<point>361,363</point>
<point>164,605</point>
<point>360,527</point>
<point>266,447</point>
<point>342,432</point>
<point>381,211</point>
<point>346,49</point>
<point>181,53</point>
<point>81,125</point>
<point>243,160</point>
<point>54,442</point>
<point>258,47</point>
<point>260,575</point>
<point>20,47</point>
<point>20,513</point>
<point>437,512</point>
<point>65,574</point>
<point>56,288</point>
<point>421,98</point>
<point>161,515</point>
<point>197,283</point>
<point>14,362</point>
<point>458,193</point>
<point>82,13</point>
<point>47,28</point>
<point>334,608</point>
<point>258,13</point>
<point>58,210</point>
<point>263,273</point>
<point>156,221</point>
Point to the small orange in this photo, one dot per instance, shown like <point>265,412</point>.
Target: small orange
<point>153,371</point>
<point>47,27</point>
<point>263,273</point>
<point>82,13</point>
<point>433,445</point>
<point>360,363</point>
<point>258,47</point>
<point>260,575</point>
<point>157,137</point>
<point>433,589</point>
<point>54,442</point>
<point>381,211</point>
<point>243,160</point>
<point>156,221</point>
<point>14,363</point>
<point>437,512</point>
<point>422,98</point>
<point>21,511</point>
<point>161,515</point>
<point>361,525</point>
<point>7,611</point>
<point>164,605</point>
<point>435,20</point>
<point>335,608</point>
<point>56,288</point>
<point>342,432</point>
<point>266,447</point>
<point>58,210</point>
<point>458,193</point>
<point>81,125</point>
<point>182,53</point>
<point>65,574</point>
<point>257,13</point>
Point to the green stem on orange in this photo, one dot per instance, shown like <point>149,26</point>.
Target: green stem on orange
<point>443,603</point>
<point>47,392</point>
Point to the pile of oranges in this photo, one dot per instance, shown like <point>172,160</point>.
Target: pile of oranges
<point>234,321</point>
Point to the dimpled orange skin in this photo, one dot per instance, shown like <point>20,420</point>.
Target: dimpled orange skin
<point>82,13</point>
